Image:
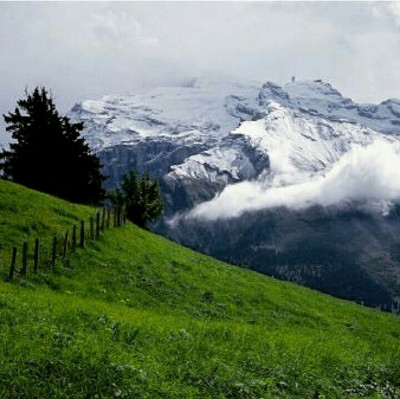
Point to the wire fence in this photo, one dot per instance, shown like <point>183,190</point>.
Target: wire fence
<point>44,254</point>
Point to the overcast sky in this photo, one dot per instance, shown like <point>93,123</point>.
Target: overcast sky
<point>84,50</point>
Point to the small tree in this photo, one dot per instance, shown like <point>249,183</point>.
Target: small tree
<point>141,198</point>
<point>48,153</point>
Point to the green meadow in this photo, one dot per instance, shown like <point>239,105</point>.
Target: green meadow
<point>134,315</point>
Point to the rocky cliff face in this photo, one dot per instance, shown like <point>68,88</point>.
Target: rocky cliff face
<point>294,180</point>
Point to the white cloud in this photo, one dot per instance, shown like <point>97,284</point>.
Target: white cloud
<point>369,176</point>
<point>393,9</point>
<point>120,30</point>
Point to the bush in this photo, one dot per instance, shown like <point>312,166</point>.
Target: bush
<point>139,198</point>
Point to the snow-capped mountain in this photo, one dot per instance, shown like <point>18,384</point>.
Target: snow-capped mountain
<point>296,134</point>
<point>158,128</point>
<point>223,150</point>
<point>199,112</point>
<point>321,99</point>
<point>221,133</point>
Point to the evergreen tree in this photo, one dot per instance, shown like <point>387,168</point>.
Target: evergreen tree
<point>141,198</point>
<point>48,153</point>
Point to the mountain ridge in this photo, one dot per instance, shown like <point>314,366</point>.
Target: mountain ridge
<point>217,146</point>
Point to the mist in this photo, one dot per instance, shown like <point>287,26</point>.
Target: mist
<point>366,176</point>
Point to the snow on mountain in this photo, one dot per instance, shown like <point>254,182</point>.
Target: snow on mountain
<point>303,129</point>
<point>197,113</point>
<point>300,147</point>
<point>217,134</point>
<point>296,145</point>
<point>321,99</point>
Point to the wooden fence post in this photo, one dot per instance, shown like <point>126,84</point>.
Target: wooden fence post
<point>73,238</point>
<point>36,256</point>
<point>91,228</point>
<point>65,244</point>
<point>108,218</point>
<point>97,225</point>
<point>103,220</point>
<point>12,267</point>
<point>82,237</point>
<point>24,258</point>
<point>54,251</point>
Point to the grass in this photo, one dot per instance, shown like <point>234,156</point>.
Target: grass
<point>26,214</point>
<point>137,316</point>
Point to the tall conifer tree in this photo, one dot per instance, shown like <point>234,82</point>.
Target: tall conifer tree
<point>48,153</point>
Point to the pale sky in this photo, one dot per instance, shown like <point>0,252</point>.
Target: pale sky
<point>85,50</point>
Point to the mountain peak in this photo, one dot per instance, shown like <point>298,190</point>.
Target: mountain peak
<point>207,108</point>
<point>302,93</point>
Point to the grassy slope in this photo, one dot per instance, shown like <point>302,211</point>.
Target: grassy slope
<point>26,214</point>
<point>136,315</point>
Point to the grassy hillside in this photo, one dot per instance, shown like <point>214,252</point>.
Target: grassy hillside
<point>26,214</point>
<point>137,316</point>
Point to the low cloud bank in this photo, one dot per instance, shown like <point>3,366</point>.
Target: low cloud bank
<point>369,176</point>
